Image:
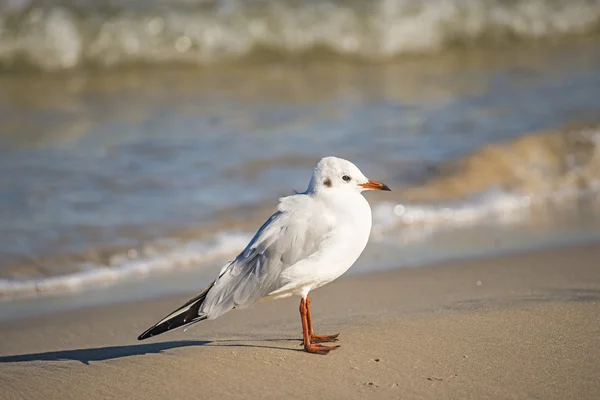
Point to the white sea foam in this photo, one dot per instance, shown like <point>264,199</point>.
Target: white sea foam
<point>413,221</point>
<point>406,223</point>
<point>417,221</point>
<point>53,36</point>
<point>189,255</point>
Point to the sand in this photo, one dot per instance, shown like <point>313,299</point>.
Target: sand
<point>509,327</point>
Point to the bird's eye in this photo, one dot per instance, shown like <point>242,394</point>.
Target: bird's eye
<point>346,178</point>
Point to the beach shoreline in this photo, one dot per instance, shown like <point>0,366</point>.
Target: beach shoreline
<point>511,326</point>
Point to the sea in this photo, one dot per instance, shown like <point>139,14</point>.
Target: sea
<point>143,142</point>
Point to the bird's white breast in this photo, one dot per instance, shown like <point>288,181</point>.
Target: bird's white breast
<point>349,237</point>
<point>350,233</point>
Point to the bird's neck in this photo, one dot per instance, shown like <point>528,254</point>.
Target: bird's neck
<point>345,203</point>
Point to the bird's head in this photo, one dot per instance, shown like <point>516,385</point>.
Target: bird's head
<point>337,174</point>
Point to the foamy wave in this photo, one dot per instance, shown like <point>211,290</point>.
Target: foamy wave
<point>493,204</point>
<point>500,183</point>
<point>57,36</point>
<point>551,164</point>
<point>192,254</point>
<point>414,222</point>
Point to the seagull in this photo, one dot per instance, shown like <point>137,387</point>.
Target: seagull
<point>312,239</point>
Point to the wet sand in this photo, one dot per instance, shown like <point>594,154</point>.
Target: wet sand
<point>514,326</point>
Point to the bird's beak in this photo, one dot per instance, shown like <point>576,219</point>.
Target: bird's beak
<point>374,185</point>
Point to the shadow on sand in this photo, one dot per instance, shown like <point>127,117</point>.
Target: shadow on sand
<point>101,353</point>
<point>109,353</point>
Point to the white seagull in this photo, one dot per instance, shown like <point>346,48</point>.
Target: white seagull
<point>312,239</point>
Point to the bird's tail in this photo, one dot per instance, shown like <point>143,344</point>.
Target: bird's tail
<point>185,315</point>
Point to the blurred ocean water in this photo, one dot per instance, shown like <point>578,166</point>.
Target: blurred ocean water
<point>137,138</point>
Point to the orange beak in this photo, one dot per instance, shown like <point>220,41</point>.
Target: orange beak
<point>374,185</point>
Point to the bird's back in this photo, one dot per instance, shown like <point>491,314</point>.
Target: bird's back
<point>295,232</point>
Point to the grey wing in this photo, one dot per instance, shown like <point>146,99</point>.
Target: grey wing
<point>283,240</point>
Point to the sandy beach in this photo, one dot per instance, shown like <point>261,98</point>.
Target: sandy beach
<point>509,327</point>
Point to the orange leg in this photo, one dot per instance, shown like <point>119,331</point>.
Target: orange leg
<point>317,338</point>
<point>308,346</point>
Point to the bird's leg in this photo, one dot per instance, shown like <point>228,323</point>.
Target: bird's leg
<point>317,338</point>
<point>308,346</point>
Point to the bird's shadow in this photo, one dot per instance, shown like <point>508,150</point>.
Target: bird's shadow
<point>112,352</point>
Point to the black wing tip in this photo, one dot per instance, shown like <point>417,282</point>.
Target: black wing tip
<point>169,325</point>
<point>148,334</point>
<point>158,329</point>
<point>186,317</point>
